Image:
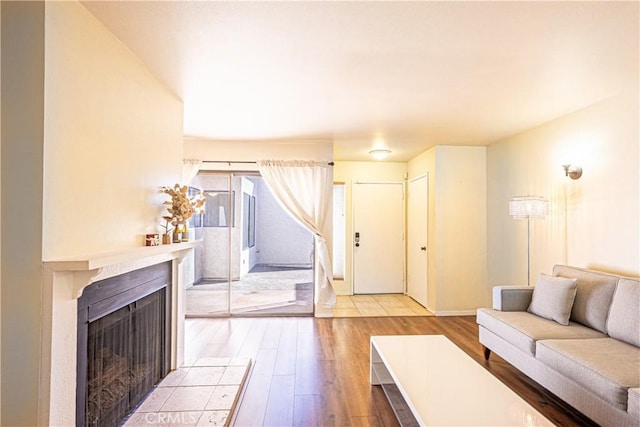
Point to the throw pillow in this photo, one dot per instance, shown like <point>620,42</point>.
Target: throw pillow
<point>553,298</point>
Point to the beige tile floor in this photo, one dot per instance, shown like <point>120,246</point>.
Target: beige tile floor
<point>378,306</point>
<point>203,393</point>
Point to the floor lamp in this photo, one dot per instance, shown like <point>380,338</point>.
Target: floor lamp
<point>528,207</point>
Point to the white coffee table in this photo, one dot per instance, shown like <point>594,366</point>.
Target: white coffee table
<point>442,385</point>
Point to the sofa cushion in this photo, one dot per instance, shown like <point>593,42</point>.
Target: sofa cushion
<point>523,329</point>
<point>605,366</point>
<point>624,317</point>
<point>633,407</point>
<point>593,295</point>
<point>553,298</point>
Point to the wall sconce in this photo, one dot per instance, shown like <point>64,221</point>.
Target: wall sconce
<point>380,153</point>
<point>573,172</point>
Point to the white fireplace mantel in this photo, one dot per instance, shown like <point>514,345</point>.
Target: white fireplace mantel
<point>93,267</point>
<point>63,283</point>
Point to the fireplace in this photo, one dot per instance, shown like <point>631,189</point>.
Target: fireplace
<point>124,335</point>
<point>65,282</point>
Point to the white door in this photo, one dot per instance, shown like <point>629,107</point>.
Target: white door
<point>418,214</point>
<point>378,225</point>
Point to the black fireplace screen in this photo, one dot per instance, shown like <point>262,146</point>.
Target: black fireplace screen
<point>125,352</point>
<point>123,343</point>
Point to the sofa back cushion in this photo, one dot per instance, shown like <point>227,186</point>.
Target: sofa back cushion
<point>624,317</point>
<point>593,295</point>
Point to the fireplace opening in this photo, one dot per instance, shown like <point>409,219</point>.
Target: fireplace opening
<point>123,343</point>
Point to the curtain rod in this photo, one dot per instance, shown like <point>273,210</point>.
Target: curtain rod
<point>229,162</point>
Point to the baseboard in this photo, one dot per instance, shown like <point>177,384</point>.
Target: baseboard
<point>454,312</point>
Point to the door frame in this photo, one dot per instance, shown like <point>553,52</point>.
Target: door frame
<point>350,233</point>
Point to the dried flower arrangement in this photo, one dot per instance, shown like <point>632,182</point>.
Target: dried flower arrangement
<point>181,207</point>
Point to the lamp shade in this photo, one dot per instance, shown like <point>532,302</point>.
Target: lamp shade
<point>527,207</point>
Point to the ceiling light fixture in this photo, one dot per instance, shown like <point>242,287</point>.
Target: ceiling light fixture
<point>380,153</point>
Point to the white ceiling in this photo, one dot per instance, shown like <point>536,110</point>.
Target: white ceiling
<point>408,75</point>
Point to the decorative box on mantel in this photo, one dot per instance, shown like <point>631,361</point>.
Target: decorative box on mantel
<point>63,283</point>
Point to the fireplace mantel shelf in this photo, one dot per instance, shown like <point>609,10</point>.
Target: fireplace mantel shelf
<point>101,260</point>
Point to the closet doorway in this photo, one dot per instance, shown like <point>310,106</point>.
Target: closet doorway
<point>255,259</point>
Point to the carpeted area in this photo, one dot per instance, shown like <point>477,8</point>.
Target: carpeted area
<point>204,393</point>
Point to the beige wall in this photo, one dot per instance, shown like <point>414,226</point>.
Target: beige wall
<point>251,151</point>
<point>593,222</point>
<point>457,257</point>
<point>22,156</point>
<point>92,137</point>
<point>113,136</point>
<point>0,216</point>
<point>348,173</point>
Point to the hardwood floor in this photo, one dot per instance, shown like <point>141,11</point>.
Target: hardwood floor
<point>315,372</point>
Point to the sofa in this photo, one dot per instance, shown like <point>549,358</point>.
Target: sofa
<point>576,333</point>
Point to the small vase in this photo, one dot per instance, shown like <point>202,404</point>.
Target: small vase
<point>177,237</point>
<point>185,234</point>
<point>166,239</point>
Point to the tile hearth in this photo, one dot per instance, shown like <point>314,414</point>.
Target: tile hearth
<point>204,393</point>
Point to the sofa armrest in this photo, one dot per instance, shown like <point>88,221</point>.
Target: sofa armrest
<point>512,298</point>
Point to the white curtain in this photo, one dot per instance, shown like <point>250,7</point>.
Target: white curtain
<point>190,168</point>
<point>305,189</point>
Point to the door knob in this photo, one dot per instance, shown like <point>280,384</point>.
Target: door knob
<point>423,248</point>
